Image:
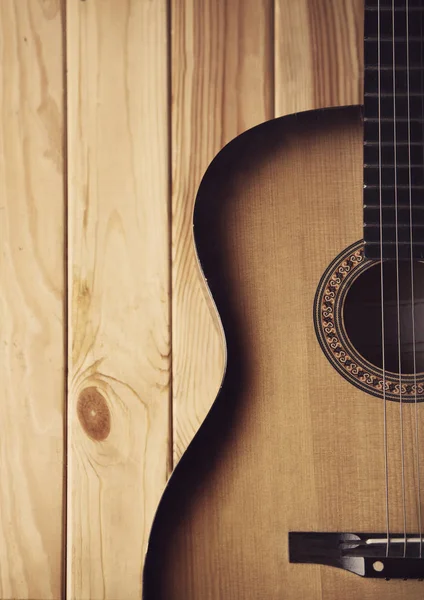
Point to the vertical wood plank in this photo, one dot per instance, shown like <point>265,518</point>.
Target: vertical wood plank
<point>318,54</point>
<point>222,84</point>
<point>31,299</point>
<point>119,351</point>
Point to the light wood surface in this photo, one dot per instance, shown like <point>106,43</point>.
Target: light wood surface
<point>32,327</point>
<point>235,65</point>
<point>290,445</point>
<point>222,73</point>
<point>119,301</point>
<point>318,54</point>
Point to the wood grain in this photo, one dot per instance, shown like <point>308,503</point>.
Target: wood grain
<point>222,84</point>
<point>318,54</point>
<point>119,350</point>
<point>32,278</point>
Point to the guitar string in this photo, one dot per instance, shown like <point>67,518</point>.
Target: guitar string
<point>414,354</point>
<point>422,163</point>
<point>402,441</point>
<point>383,350</point>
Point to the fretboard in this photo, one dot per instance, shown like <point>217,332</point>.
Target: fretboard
<point>394,129</point>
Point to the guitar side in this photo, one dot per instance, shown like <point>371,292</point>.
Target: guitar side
<point>289,444</point>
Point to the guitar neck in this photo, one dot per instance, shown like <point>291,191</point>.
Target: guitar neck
<point>393,129</point>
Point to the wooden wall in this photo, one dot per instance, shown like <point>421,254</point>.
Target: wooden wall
<point>110,351</point>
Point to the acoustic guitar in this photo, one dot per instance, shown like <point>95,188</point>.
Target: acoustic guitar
<point>306,481</point>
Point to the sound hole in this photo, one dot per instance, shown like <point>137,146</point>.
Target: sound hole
<point>363,316</point>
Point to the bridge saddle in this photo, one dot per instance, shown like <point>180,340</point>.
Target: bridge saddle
<point>368,555</point>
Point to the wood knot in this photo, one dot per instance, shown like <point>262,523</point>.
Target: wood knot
<point>93,414</point>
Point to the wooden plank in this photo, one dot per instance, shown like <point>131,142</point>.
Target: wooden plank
<point>222,84</point>
<point>318,54</point>
<point>31,299</point>
<point>119,351</point>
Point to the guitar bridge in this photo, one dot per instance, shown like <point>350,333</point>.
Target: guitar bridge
<point>367,555</point>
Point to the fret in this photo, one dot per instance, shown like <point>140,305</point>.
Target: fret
<point>375,143</point>
<point>387,144</point>
<point>390,39</point>
<point>399,165</point>
<point>399,187</point>
<point>392,226</point>
<point>393,119</point>
<point>417,67</point>
<point>388,9</point>
<point>404,95</point>
<point>393,243</point>
<point>416,241</point>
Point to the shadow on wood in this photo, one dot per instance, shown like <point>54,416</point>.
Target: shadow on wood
<point>216,198</point>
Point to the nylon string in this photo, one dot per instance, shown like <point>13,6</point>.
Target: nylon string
<point>414,355</point>
<point>386,461</point>
<point>402,441</point>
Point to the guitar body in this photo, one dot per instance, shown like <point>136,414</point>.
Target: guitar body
<point>291,444</point>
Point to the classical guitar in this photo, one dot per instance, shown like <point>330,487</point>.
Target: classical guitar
<point>306,481</point>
